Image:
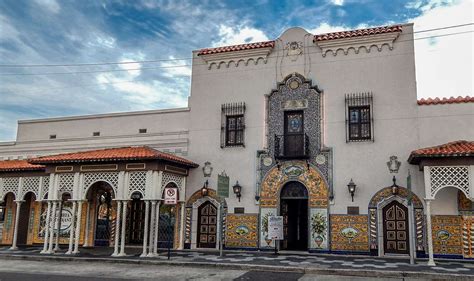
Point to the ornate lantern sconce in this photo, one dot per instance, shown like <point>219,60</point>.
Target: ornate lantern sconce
<point>204,189</point>
<point>394,186</point>
<point>237,190</point>
<point>351,186</point>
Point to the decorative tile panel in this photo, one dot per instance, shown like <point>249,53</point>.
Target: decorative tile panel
<point>294,171</point>
<point>468,236</point>
<point>349,233</point>
<point>242,231</point>
<point>373,228</point>
<point>447,235</point>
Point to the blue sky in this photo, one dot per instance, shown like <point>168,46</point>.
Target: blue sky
<point>73,32</point>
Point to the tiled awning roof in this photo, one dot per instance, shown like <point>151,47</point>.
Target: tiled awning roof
<point>19,165</point>
<point>319,37</point>
<point>357,33</point>
<point>114,154</point>
<point>430,101</point>
<point>460,148</point>
<point>241,47</point>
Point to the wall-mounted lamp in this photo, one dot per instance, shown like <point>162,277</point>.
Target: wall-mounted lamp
<point>237,190</point>
<point>351,186</point>
<point>204,189</point>
<point>394,186</point>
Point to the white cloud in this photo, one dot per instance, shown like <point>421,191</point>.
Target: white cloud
<point>50,5</point>
<point>338,2</point>
<point>176,68</point>
<point>239,35</point>
<point>444,65</point>
<point>326,28</point>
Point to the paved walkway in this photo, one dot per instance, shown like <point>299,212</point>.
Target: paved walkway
<point>306,263</point>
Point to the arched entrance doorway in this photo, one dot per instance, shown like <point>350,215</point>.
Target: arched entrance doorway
<point>24,221</point>
<point>100,196</point>
<point>395,228</point>
<point>136,219</point>
<point>207,225</point>
<point>294,209</point>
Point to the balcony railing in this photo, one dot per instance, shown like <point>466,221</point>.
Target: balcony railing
<point>294,146</point>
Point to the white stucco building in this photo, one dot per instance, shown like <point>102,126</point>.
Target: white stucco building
<point>293,121</point>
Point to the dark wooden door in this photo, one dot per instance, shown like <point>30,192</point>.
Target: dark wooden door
<point>294,133</point>
<point>137,221</point>
<point>207,225</point>
<point>395,228</point>
<point>24,221</point>
<point>295,224</point>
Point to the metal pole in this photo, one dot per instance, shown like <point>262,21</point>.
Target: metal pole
<point>170,229</point>
<point>221,246</point>
<point>276,249</point>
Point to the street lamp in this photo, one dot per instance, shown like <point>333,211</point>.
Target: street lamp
<point>351,186</point>
<point>237,190</point>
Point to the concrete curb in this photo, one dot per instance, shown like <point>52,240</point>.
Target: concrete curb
<point>250,267</point>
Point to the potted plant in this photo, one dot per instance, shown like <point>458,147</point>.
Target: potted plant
<point>318,228</point>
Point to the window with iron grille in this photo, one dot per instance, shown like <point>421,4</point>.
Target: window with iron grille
<point>233,124</point>
<point>359,117</point>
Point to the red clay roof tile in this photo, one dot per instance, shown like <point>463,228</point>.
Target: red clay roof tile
<point>431,101</point>
<point>18,165</point>
<point>358,32</point>
<point>452,149</point>
<point>114,154</point>
<point>249,46</point>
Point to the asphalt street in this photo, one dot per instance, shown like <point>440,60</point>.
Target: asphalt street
<point>22,270</point>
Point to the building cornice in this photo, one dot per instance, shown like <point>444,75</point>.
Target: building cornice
<point>357,43</point>
<point>237,57</point>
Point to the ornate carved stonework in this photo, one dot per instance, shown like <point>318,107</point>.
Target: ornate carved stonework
<point>295,92</point>
<point>393,164</point>
<point>294,49</point>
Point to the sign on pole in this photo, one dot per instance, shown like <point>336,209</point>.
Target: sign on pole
<point>275,227</point>
<point>171,196</point>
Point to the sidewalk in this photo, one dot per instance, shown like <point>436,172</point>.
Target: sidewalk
<point>302,263</point>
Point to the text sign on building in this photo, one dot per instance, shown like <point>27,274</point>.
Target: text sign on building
<point>223,185</point>
<point>171,196</point>
<point>275,227</point>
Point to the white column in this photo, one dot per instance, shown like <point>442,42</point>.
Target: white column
<point>117,228</point>
<point>157,221</point>
<point>429,233</point>
<point>52,227</point>
<point>58,226</point>
<point>78,227</point>
<point>145,232</point>
<point>86,238</point>
<point>124,224</point>
<point>17,220</point>
<point>72,228</point>
<point>46,229</point>
<point>152,228</point>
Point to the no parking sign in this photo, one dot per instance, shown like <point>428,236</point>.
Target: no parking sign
<point>171,196</point>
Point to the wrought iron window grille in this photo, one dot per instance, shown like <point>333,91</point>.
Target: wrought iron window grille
<point>233,124</point>
<point>359,111</point>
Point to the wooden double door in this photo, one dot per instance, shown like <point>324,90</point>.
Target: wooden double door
<point>395,228</point>
<point>207,225</point>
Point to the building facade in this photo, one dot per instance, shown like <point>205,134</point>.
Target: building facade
<point>324,130</point>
